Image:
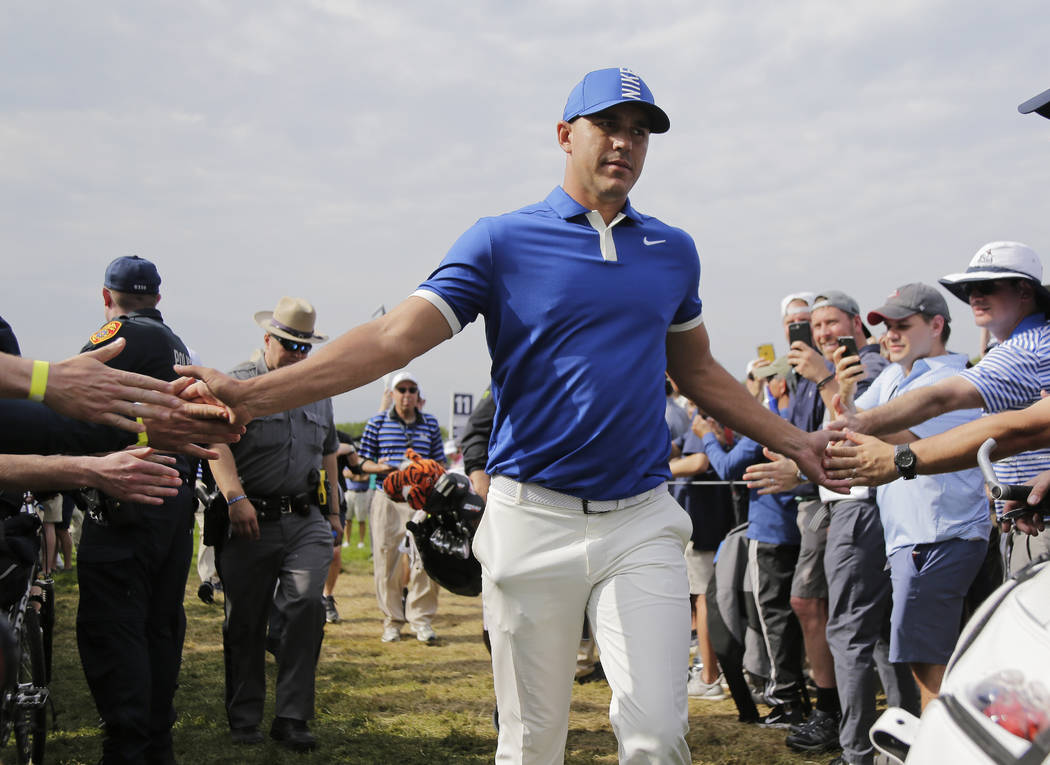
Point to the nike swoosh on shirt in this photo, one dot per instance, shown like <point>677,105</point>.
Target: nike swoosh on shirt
<point>645,241</point>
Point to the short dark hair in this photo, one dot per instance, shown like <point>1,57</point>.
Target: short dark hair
<point>946,330</point>
<point>131,301</point>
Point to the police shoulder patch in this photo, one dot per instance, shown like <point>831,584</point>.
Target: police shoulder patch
<point>105,332</point>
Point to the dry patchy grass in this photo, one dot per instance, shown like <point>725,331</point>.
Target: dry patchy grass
<point>403,703</point>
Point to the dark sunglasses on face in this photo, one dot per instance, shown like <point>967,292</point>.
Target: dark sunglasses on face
<point>983,288</point>
<point>407,390</point>
<point>294,347</point>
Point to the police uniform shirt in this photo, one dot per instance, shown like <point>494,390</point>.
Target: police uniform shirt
<point>576,317</point>
<point>276,454</point>
<point>152,349</point>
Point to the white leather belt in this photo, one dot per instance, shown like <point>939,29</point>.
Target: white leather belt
<point>541,495</point>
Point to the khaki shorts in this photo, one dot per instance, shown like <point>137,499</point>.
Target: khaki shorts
<point>358,503</point>
<point>51,511</point>
<point>700,564</point>
<point>809,580</point>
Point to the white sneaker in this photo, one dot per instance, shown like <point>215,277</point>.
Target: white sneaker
<point>360,545</point>
<point>391,634</point>
<point>698,689</point>
<point>426,634</point>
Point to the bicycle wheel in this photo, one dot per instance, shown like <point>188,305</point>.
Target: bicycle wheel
<point>31,725</point>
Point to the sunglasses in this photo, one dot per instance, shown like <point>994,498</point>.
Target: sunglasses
<point>412,389</point>
<point>294,347</point>
<point>984,288</point>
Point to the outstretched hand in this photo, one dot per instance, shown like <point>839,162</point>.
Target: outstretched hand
<point>778,475</point>
<point>135,475</point>
<point>213,388</point>
<point>84,388</point>
<point>861,460</point>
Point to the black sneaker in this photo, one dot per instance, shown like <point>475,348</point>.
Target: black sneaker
<point>782,716</point>
<point>206,592</point>
<point>293,734</point>
<point>820,733</point>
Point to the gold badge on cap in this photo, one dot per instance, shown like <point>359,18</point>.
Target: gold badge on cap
<point>106,332</point>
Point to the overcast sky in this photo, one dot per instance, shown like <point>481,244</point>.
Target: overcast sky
<point>334,150</point>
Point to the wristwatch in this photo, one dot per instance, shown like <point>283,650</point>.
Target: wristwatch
<point>904,459</point>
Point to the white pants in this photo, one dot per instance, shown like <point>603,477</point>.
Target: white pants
<point>542,568</point>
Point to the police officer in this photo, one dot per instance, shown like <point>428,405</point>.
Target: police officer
<point>282,520</point>
<point>134,558</point>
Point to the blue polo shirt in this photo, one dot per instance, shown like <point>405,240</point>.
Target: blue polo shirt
<point>576,319</point>
<point>1010,376</point>
<point>387,435</point>
<point>771,518</point>
<point>929,508</point>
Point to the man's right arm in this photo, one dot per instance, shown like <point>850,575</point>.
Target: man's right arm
<point>359,356</point>
<point>243,520</point>
<point>913,407</point>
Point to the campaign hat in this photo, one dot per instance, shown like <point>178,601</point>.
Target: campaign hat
<point>292,319</point>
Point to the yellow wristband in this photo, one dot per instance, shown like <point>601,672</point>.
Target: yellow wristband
<point>38,381</point>
<point>143,436</point>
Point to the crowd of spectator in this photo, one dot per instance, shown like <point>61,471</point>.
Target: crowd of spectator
<point>868,572</point>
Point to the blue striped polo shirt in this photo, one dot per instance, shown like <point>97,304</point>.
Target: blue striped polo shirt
<point>387,435</point>
<point>1010,376</point>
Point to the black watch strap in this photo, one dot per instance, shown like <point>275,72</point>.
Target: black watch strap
<point>904,459</point>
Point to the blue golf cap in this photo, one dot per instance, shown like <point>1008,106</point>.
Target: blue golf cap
<point>1039,104</point>
<point>603,88</point>
<point>130,273</point>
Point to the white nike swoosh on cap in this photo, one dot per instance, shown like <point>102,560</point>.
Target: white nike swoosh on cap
<point>645,241</point>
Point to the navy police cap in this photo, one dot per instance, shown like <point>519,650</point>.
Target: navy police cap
<point>130,273</point>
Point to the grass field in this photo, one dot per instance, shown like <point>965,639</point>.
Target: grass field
<point>399,703</point>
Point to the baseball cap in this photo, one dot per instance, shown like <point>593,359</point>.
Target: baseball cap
<point>602,88</point>
<point>1039,104</point>
<point>130,273</point>
<point>836,299</point>
<point>910,299</point>
<point>778,368</point>
<point>999,260</point>
<point>805,297</point>
<point>401,376</point>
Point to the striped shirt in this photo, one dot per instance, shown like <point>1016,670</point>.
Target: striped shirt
<point>388,436</point>
<point>1010,377</point>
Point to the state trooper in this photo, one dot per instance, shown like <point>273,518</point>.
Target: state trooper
<point>283,518</point>
<point>134,558</point>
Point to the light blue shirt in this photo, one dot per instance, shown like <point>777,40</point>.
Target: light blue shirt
<point>930,508</point>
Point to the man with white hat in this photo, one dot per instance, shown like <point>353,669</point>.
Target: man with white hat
<point>1003,285</point>
<point>280,484</point>
<point>384,442</point>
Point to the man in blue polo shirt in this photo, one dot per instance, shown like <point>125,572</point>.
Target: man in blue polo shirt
<point>587,302</point>
<point>383,444</point>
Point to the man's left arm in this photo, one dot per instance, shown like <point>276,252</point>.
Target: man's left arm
<point>331,468</point>
<point>701,378</point>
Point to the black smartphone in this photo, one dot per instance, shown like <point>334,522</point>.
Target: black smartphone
<point>800,330</point>
<point>850,345</point>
